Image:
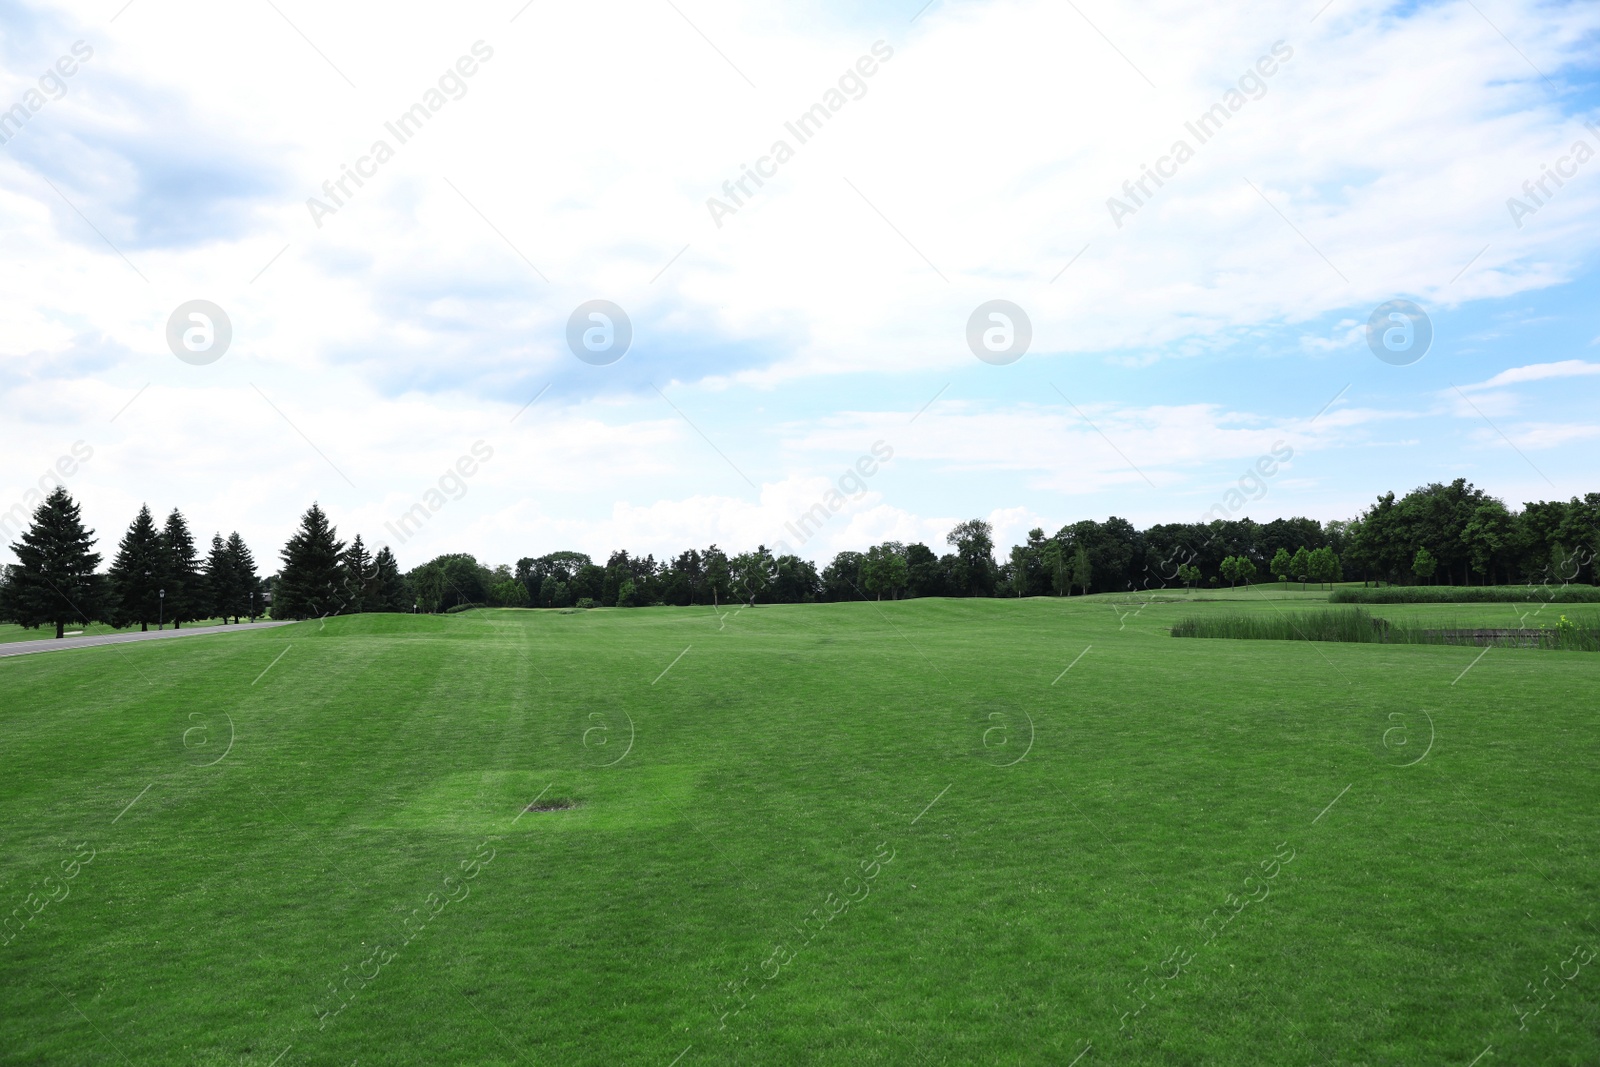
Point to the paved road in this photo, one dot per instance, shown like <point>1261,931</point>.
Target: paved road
<point>23,648</point>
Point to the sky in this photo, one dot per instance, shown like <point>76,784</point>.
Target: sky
<point>1320,239</point>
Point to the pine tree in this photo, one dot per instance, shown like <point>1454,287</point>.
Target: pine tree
<point>138,574</point>
<point>218,578</point>
<point>389,587</point>
<point>223,581</point>
<point>356,565</point>
<point>311,584</point>
<point>54,580</point>
<point>186,592</point>
<point>244,597</point>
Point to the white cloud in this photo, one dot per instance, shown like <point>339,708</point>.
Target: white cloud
<point>410,325</point>
<point>1535,372</point>
<point>1535,436</point>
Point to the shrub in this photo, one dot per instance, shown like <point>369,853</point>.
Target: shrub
<point>585,603</point>
<point>459,608</point>
<point>1468,594</point>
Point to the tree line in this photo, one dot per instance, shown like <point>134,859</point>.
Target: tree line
<point>1440,533</point>
<point>155,578</point>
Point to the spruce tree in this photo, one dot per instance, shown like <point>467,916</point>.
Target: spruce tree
<point>138,574</point>
<point>311,584</point>
<point>219,579</point>
<point>244,596</point>
<point>389,587</point>
<point>186,592</point>
<point>356,563</point>
<point>54,580</point>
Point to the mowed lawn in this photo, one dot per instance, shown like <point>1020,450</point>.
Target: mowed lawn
<point>852,833</point>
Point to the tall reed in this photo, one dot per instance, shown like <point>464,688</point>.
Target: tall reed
<point>1579,633</point>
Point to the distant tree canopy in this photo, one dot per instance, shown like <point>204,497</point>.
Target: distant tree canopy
<point>1447,534</point>
<point>1473,537</point>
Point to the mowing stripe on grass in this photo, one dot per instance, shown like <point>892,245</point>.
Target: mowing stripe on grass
<point>897,630</point>
<point>90,1021</point>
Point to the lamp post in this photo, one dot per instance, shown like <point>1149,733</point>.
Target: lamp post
<point>161,608</point>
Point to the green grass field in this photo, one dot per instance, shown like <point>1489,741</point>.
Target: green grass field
<point>851,833</point>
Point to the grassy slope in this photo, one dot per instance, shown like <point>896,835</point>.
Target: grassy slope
<point>768,763</point>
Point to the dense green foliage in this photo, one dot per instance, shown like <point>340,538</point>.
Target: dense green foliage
<point>1459,534</point>
<point>289,902</point>
<point>1455,535</point>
